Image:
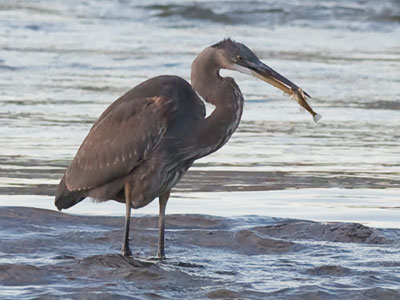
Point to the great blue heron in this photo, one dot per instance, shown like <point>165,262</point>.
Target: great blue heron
<point>147,139</point>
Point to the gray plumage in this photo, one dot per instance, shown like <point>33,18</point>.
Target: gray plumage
<point>139,132</point>
<point>146,140</point>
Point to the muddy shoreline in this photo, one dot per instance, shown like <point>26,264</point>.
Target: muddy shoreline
<point>50,255</point>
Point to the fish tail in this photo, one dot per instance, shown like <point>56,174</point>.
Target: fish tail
<point>317,117</point>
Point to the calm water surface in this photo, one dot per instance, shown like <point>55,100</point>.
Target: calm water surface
<point>63,62</point>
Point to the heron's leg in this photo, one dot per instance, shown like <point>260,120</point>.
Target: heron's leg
<point>126,251</point>
<point>161,224</point>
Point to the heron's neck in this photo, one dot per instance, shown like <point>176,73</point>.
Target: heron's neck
<point>224,93</point>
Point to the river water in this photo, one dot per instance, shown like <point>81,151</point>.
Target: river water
<point>63,62</point>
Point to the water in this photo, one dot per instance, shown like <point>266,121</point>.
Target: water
<point>62,63</point>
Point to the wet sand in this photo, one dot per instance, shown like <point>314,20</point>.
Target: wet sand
<point>45,254</point>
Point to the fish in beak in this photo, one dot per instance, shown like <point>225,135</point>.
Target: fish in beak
<point>265,73</point>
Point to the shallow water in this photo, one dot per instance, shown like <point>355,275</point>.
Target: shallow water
<point>62,63</point>
<point>51,255</point>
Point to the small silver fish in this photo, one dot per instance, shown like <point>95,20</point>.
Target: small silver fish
<point>300,97</point>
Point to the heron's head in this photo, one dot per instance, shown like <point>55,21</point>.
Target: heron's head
<point>238,57</point>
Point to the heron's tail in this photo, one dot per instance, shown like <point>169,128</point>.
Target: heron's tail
<point>65,198</point>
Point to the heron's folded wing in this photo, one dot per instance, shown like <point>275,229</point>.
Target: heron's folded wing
<point>123,136</point>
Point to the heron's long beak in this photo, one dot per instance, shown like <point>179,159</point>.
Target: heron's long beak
<point>265,73</point>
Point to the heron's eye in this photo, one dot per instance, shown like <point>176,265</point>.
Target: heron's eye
<point>239,58</point>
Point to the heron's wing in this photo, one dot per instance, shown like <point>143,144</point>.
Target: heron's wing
<point>121,139</point>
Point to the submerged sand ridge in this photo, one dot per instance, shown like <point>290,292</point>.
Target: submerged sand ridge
<point>50,255</point>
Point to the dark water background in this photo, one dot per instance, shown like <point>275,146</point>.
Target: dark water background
<point>63,62</point>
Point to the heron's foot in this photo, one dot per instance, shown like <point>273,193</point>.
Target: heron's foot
<point>161,255</point>
<point>126,251</point>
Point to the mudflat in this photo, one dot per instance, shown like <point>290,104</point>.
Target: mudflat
<point>46,254</point>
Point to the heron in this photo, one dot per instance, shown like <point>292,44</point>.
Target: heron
<point>145,141</point>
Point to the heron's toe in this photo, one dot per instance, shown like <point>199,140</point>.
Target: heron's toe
<point>126,251</point>
<point>161,256</point>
